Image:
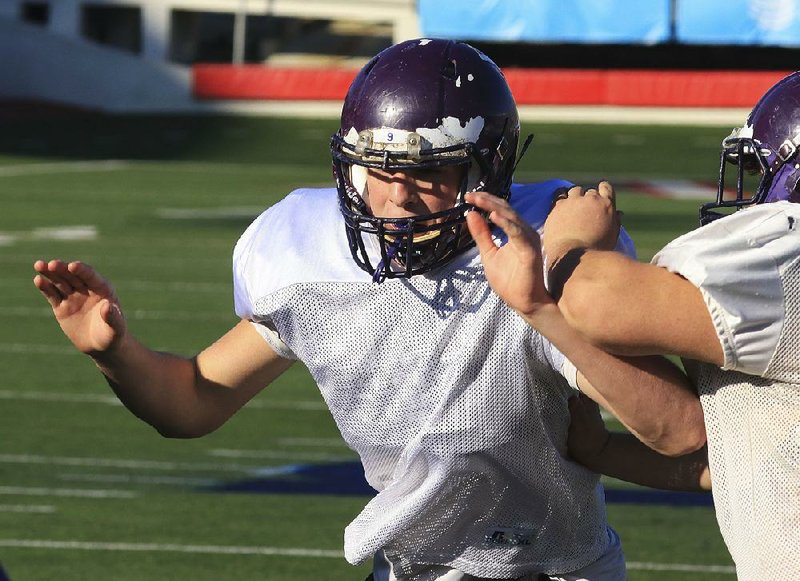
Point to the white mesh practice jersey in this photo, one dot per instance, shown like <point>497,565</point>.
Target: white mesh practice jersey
<point>455,405</point>
<point>747,266</point>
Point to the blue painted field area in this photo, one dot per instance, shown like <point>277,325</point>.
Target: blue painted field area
<point>347,478</point>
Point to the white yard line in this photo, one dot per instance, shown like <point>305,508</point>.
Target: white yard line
<point>56,397</point>
<point>313,442</point>
<point>124,463</point>
<point>135,314</point>
<point>283,552</point>
<point>134,479</point>
<point>34,169</point>
<point>279,455</point>
<point>65,492</point>
<point>60,397</point>
<point>170,548</point>
<point>28,508</point>
<point>223,288</point>
<point>684,567</point>
<point>38,349</point>
<point>63,233</point>
<point>176,286</point>
<point>106,165</point>
<point>233,212</point>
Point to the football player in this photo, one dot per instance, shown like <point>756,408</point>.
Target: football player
<point>725,297</point>
<point>456,406</point>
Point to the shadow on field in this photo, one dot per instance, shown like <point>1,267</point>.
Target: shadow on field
<point>347,479</point>
<point>45,131</point>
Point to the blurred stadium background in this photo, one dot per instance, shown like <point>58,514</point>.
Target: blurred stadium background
<point>143,136</point>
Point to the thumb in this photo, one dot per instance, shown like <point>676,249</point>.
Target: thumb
<point>113,317</point>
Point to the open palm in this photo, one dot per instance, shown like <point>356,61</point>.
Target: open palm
<point>83,303</point>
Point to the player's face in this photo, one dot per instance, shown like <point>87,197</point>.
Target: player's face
<point>396,194</point>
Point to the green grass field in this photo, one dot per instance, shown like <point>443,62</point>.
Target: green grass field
<point>89,492</point>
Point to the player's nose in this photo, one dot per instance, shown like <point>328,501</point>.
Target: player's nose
<point>401,190</point>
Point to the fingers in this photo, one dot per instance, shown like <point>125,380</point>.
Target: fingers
<point>604,190</point>
<point>69,277</point>
<point>477,224</point>
<point>500,213</point>
<point>575,192</point>
<point>90,277</point>
<point>56,280</point>
<point>48,289</point>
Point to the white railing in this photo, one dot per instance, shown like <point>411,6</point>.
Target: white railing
<point>400,14</point>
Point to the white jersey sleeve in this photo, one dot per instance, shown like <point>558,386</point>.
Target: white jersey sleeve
<point>740,263</point>
<point>243,302</point>
<point>280,250</point>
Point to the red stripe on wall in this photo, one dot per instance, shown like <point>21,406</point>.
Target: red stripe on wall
<point>266,83</point>
<point>645,88</point>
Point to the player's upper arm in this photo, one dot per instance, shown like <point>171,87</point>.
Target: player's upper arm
<point>236,367</point>
<point>631,308</point>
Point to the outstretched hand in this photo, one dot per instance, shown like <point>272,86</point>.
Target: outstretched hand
<point>84,304</point>
<point>514,270</point>
<point>582,219</point>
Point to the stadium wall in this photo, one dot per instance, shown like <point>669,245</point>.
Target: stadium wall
<point>37,65</point>
<point>628,88</point>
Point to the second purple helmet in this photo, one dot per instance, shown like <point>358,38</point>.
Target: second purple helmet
<point>767,145</point>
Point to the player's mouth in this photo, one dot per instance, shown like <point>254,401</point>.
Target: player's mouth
<point>418,236</point>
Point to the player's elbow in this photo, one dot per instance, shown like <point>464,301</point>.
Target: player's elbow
<point>174,432</point>
<point>179,433</point>
<point>184,428</point>
<point>682,445</point>
<point>681,438</point>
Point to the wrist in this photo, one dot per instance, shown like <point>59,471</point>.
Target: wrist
<point>542,315</point>
<point>555,251</point>
<point>560,270</point>
<point>111,356</point>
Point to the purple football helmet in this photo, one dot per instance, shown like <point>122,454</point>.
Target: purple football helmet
<point>767,144</point>
<point>418,105</point>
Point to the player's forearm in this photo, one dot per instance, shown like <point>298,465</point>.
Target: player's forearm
<point>626,458</point>
<point>159,388</point>
<point>651,397</point>
<point>595,291</point>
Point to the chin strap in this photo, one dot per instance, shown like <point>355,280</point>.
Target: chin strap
<point>380,272</point>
